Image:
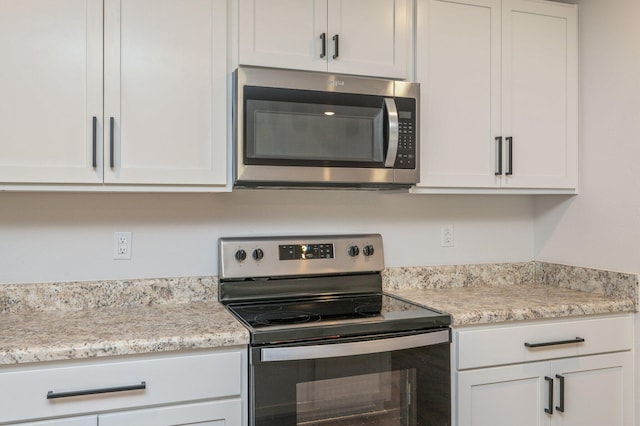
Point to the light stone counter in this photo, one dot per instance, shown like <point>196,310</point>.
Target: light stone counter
<point>490,304</point>
<point>59,321</point>
<point>480,294</point>
<point>62,321</point>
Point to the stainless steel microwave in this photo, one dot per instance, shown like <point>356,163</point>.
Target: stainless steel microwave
<point>311,129</point>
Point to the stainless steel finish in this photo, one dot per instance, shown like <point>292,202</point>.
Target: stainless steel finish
<point>309,175</point>
<point>296,353</point>
<point>256,176</point>
<point>271,266</point>
<point>394,132</point>
<point>259,290</point>
<point>407,89</point>
<point>307,80</point>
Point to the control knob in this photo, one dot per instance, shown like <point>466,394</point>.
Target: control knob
<point>258,254</point>
<point>240,255</point>
<point>353,251</point>
<point>368,250</point>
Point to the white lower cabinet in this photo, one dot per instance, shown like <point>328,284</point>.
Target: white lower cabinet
<point>569,384</point>
<point>212,413</point>
<point>196,388</point>
<point>72,421</point>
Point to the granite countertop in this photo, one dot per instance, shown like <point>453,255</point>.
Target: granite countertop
<point>491,304</point>
<point>482,294</point>
<point>61,321</point>
<point>154,316</point>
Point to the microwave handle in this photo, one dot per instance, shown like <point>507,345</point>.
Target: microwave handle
<point>394,132</point>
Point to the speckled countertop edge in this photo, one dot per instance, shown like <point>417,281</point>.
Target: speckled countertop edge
<point>60,335</point>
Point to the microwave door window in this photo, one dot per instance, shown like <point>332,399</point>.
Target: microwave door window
<point>292,133</point>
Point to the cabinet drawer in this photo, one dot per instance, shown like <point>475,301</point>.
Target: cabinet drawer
<point>505,344</point>
<point>167,379</point>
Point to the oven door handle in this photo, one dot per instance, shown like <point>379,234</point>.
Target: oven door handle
<point>329,350</point>
<point>394,132</point>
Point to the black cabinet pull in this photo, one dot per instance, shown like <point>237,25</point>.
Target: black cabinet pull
<point>336,42</point>
<point>323,37</point>
<point>95,142</point>
<point>555,343</point>
<point>56,395</point>
<point>509,170</point>
<point>549,410</point>
<point>498,155</point>
<point>112,129</point>
<point>560,407</point>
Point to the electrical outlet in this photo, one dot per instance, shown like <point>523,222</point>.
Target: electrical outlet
<point>122,245</point>
<point>446,235</point>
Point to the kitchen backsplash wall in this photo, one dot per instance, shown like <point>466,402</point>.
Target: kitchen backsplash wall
<point>49,237</point>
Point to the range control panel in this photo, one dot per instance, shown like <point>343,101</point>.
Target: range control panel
<point>254,257</point>
<point>305,251</point>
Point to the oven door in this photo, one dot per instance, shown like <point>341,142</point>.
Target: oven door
<point>392,381</point>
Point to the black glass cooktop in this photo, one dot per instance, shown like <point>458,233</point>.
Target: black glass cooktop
<point>342,316</point>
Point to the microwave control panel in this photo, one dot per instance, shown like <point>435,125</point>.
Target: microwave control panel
<point>406,157</point>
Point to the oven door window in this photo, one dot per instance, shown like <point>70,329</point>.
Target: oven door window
<point>376,398</point>
<point>300,128</point>
<point>397,388</point>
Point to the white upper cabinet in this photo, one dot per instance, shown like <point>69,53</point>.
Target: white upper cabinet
<point>498,95</point>
<point>365,37</point>
<point>540,93</point>
<point>158,118</point>
<point>165,91</point>
<point>50,90</point>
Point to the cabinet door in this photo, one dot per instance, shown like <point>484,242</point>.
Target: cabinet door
<point>373,37</point>
<point>598,390</point>
<point>214,413</point>
<point>458,67</point>
<point>50,90</point>
<point>165,91</point>
<point>539,97</point>
<point>504,396</point>
<point>70,421</point>
<point>283,33</point>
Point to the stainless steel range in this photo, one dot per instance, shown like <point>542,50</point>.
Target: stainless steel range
<point>328,347</point>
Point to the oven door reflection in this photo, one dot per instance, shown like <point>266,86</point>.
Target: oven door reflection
<point>384,398</point>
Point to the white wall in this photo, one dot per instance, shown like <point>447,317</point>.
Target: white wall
<point>600,228</point>
<point>69,236</point>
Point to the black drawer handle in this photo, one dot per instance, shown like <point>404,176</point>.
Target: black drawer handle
<point>557,342</point>
<point>549,410</point>
<point>561,406</point>
<point>55,395</point>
